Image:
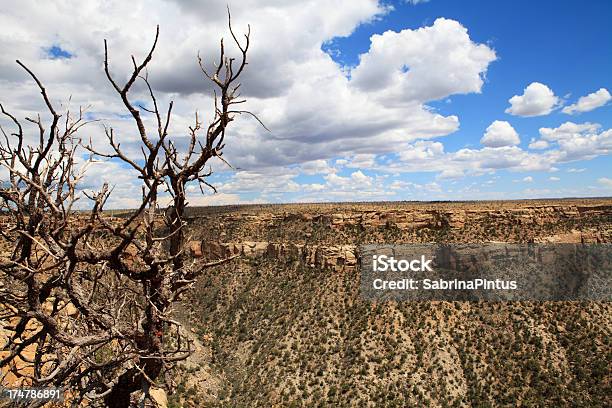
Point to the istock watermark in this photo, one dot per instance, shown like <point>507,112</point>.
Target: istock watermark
<point>382,263</point>
<point>493,272</point>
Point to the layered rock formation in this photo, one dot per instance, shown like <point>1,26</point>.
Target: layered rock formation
<point>453,222</point>
<point>316,256</point>
<point>283,324</point>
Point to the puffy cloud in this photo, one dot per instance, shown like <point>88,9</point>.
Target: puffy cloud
<point>587,146</point>
<point>401,185</point>
<point>355,187</point>
<point>425,64</point>
<point>538,144</point>
<point>325,114</point>
<point>537,100</point>
<point>341,162</point>
<point>579,141</point>
<point>568,130</point>
<point>528,179</point>
<point>355,181</point>
<point>317,110</point>
<point>467,161</point>
<point>317,167</point>
<point>421,151</point>
<point>314,187</point>
<point>450,174</point>
<point>263,181</point>
<point>364,160</point>
<point>500,133</point>
<point>361,178</point>
<point>567,143</point>
<point>553,178</point>
<point>588,103</point>
<point>324,118</point>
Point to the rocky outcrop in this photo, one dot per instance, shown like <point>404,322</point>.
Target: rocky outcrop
<point>335,257</point>
<point>327,237</point>
<point>158,396</point>
<point>457,222</point>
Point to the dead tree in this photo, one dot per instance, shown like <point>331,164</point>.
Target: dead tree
<point>86,299</point>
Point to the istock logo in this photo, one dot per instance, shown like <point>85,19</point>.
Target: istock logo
<point>383,263</point>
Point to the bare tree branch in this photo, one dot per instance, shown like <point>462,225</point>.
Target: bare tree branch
<point>88,295</point>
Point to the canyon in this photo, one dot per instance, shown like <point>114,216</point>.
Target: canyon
<point>283,323</point>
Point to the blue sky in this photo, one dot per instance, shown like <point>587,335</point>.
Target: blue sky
<point>559,43</point>
<point>365,99</point>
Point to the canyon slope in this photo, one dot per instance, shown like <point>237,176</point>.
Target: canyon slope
<point>284,324</point>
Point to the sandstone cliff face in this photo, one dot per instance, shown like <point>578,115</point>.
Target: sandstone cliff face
<point>315,256</point>
<point>283,324</point>
<point>443,222</point>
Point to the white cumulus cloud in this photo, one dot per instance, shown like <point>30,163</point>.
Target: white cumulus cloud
<point>317,110</point>
<point>568,130</point>
<point>588,103</point>
<point>425,64</point>
<point>373,118</point>
<point>538,144</point>
<point>579,141</point>
<point>537,100</point>
<point>499,134</point>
